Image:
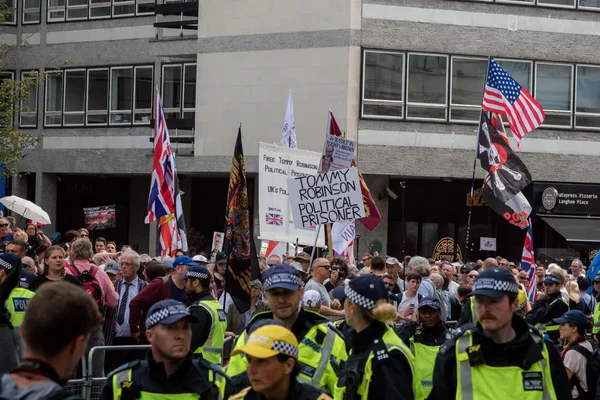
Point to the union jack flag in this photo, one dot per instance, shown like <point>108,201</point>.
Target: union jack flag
<point>528,265</point>
<point>503,95</point>
<point>274,219</point>
<point>161,200</point>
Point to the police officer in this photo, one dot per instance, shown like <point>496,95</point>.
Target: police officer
<point>208,335</point>
<point>550,304</point>
<point>502,357</point>
<point>18,297</point>
<point>425,335</point>
<point>322,346</point>
<point>169,372</point>
<point>380,365</point>
<point>272,354</point>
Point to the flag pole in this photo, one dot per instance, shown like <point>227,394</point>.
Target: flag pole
<point>475,165</point>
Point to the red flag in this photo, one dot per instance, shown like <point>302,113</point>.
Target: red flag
<point>372,214</point>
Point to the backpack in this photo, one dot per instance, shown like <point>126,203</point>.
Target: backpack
<point>89,281</point>
<point>592,372</point>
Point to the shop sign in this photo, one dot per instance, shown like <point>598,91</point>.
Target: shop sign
<point>564,198</point>
<point>445,249</point>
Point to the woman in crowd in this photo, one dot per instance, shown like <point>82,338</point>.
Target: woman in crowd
<point>54,269</point>
<point>387,365</point>
<point>37,235</point>
<point>575,300</point>
<point>572,329</point>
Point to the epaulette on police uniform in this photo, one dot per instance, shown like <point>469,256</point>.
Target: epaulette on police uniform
<point>208,365</point>
<point>456,333</point>
<point>130,365</point>
<point>335,329</point>
<point>241,394</point>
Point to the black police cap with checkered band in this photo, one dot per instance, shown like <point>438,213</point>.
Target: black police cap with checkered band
<point>167,312</point>
<point>366,290</point>
<point>282,276</point>
<point>495,283</point>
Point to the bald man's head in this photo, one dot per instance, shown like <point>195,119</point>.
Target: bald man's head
<point>489,263</point>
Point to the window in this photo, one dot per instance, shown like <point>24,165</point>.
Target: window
<point>468,77</point>
<point>54,91</point>
<point>121,95</point>
<point>10,8</point>
<point>553,91</point>
<point>587,97</point>
<point>427,83</point>
<point>99,96</point>
<point>142,110</point>
<point>189,91</point>
<point>593,4</point>
<point>171,91</point>
<point>28,109</point>
<point>31,11</point>
<point>74,10</point>
<point>557,3</point>
<point>383,84</point>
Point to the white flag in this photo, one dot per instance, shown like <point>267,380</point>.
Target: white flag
<point>288,135</point>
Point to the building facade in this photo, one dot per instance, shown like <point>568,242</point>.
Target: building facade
<point>404,79</point>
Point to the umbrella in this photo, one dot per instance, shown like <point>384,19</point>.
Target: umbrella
<point>26,208</point>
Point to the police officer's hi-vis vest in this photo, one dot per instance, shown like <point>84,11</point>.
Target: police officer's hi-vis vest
<point>424,362</point>
<point>390,342</point>
<point>482,381</point>
<point>212,349</point>
<point>17,304</point>
<point>321,351</point>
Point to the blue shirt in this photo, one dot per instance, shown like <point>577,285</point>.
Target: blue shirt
<point>123,329</point>
<point>8,238</point>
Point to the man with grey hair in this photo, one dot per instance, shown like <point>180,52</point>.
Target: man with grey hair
<point>116,320</point>
<point>100,287</point>
<point>576,269</point>
<point>420,265</point>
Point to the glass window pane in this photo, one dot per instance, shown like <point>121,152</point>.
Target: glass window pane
<point>124,9</point>
<point>30,103</point>
<point>558,120</point>
<point>75,90</point>
<point>29,120</point>
<point>99,12</point>
<point>589,3</point>
<point>121,89</point>
<point>553,86</point>
<point>143,88</point>
<point>464,115</point>
<point>588,89</point>
<point>587,122</point>
<point>172,86</point>
<point>557,2</point>
<point>189,92</point>
<point>383,76</point>
<point>31,16</point>
<point>427,79</point>
<point>377,110</point>
<point>145,8</point>
<point>468,77</point>
<point>520,71</point>
<point>56,3</point>
<point>424,112</point>
<point>54,89</point>
<point>77,13</point>
<point>98,90</point>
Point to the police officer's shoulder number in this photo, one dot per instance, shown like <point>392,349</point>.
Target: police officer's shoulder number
<point>241,394</point>
<point>130,365</point>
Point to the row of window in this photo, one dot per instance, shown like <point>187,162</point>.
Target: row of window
<point>79,10</point>
<point>419,86</point>
<point>109,96</point>
<point>593,5</point>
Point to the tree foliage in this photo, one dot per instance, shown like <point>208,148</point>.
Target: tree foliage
<point>13,93</point>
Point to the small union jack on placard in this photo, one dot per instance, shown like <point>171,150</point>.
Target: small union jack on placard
<point>274,219</point>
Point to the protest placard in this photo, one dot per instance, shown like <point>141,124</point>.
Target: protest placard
<point>100,217</point>
<point>326,198</point>
<point>276,165</point>
<point>337,154</point>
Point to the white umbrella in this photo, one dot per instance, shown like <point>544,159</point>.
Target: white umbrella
<point>26,208</point>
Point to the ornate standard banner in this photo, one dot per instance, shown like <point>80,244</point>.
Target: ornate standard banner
<point>276,165</point>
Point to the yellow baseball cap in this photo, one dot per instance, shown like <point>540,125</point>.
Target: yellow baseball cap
<point>522,300</point>
<point>268,341</point>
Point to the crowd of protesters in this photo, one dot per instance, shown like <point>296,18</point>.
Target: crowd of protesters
<point>384,328</point>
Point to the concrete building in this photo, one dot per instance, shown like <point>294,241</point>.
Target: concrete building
<point>403,77</point>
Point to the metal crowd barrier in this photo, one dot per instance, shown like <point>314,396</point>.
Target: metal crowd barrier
<point>89,387</point>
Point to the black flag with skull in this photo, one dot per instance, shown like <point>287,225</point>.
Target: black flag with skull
<point>506,173</point>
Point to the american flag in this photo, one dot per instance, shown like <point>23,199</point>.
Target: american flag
<point>503,95</point>
<point>161,200</point>
<point>274,219</point>
<point>528,265</point>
